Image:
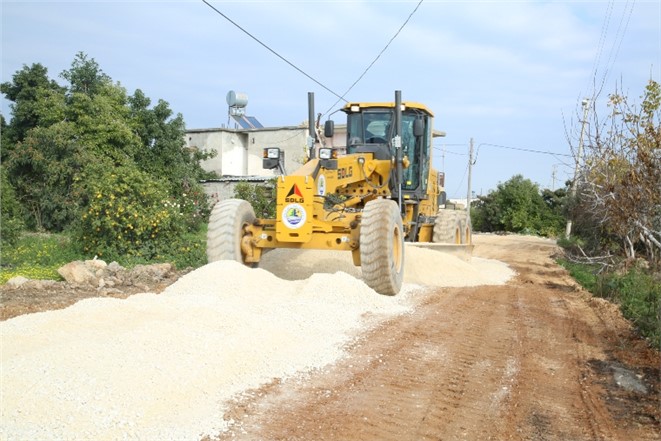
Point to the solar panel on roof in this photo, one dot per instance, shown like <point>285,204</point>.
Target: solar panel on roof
<point>256,124</point>
<point>242,122</point>
<point>247,122</point>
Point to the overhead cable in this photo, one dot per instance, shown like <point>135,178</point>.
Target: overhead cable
<point>449,151</point>
<point>600,46</point>
<point>272,50</point>
<point>462,180</point>
<point>524,150</point>
<point>375,59</point>
<point>615,49</point>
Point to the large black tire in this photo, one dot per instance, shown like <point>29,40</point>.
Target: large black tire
<point>382,246</point>
<point>226,229</point>
<point>447,227</point>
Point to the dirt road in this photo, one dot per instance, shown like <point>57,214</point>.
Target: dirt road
<point>536,359</point>
<point>526,358</point>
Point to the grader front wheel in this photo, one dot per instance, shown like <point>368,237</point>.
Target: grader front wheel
<point>382,246</point>
<point>227,228</point>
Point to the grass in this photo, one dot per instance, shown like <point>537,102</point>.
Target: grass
<point>38,256</point>
<point>584,274</point>
<point>637,293</point>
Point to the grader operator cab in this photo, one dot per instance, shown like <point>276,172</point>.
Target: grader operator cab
<point>367,198</point>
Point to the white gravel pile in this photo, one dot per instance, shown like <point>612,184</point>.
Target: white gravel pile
<point>421,267</point>
<point>156,367</point>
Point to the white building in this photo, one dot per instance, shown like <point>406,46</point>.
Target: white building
<point>239,152</point>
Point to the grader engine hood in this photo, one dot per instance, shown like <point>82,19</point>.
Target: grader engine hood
<point>295,204</point>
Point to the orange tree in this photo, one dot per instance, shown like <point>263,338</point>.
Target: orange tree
<point>65,146</point>
<point>127,213</point>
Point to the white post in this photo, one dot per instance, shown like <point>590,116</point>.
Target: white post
<point>585,104</point>
<point>470,170</point>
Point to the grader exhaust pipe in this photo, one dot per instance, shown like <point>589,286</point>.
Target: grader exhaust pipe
<point>312,134</point>
<point>397,142</point>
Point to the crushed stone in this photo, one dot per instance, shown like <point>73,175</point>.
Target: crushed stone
<point>163,366</point>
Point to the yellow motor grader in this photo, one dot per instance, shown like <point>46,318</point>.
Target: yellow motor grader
<point>367,197</point>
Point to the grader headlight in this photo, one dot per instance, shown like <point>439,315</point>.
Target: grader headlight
<point>325,153</point>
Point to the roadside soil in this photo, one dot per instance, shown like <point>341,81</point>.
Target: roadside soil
<point>39,296</point>
<point>536,359</point>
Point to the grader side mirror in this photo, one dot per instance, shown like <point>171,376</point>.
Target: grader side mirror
<point>329,128</point>
<point>442,198</point>
<point>418,127</point>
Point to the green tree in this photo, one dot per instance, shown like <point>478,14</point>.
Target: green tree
<point>67,138</point>
<point>103,126</point>
<point>517,206</point>
<point>68,132</point>
<point>85,76</point>
<point>44,167</point>
<point>4,139</point>
<point>163,154</point>
<point>99,109</point>
<point>33,96</point>
<point>11,222</point>
<point>162,134</point>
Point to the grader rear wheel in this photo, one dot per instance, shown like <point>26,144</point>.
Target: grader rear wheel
<point>382,246</point>
<point>452,227</point>
<point>227,224</point>
<point>466,231</point>
<point>447,227</point>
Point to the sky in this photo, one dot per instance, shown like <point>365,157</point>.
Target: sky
<point>510,75</point>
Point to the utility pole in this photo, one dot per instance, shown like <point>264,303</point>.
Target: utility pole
<point>470,170</point>
<point>585,103</point>
<point>553,174</point>
<point>443,157</point>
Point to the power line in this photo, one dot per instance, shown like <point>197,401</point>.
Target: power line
<point>271,50</point>
<point>600,45</point>
<point>615,47</point>
<point>462,180</point>
<point>523,149</point>
<point>443,144</point>
<point>450,151</point>
<point>621,35</point>
<point>375,59</point>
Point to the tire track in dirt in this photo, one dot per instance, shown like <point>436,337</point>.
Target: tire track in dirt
<point>548,393</point>
<point>509,362</point>
<point>431,374</point>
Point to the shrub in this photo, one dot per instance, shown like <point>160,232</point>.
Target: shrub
<point>194,205</point>
<point>260,196</point>
<point>188,251</point>
<point>637,292</point>
<point>128,212</point>
<point>639,296</point>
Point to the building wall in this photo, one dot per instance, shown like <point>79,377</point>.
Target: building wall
<point>240,151</point>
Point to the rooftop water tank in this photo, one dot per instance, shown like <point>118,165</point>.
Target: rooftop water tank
<point>237,99</point>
